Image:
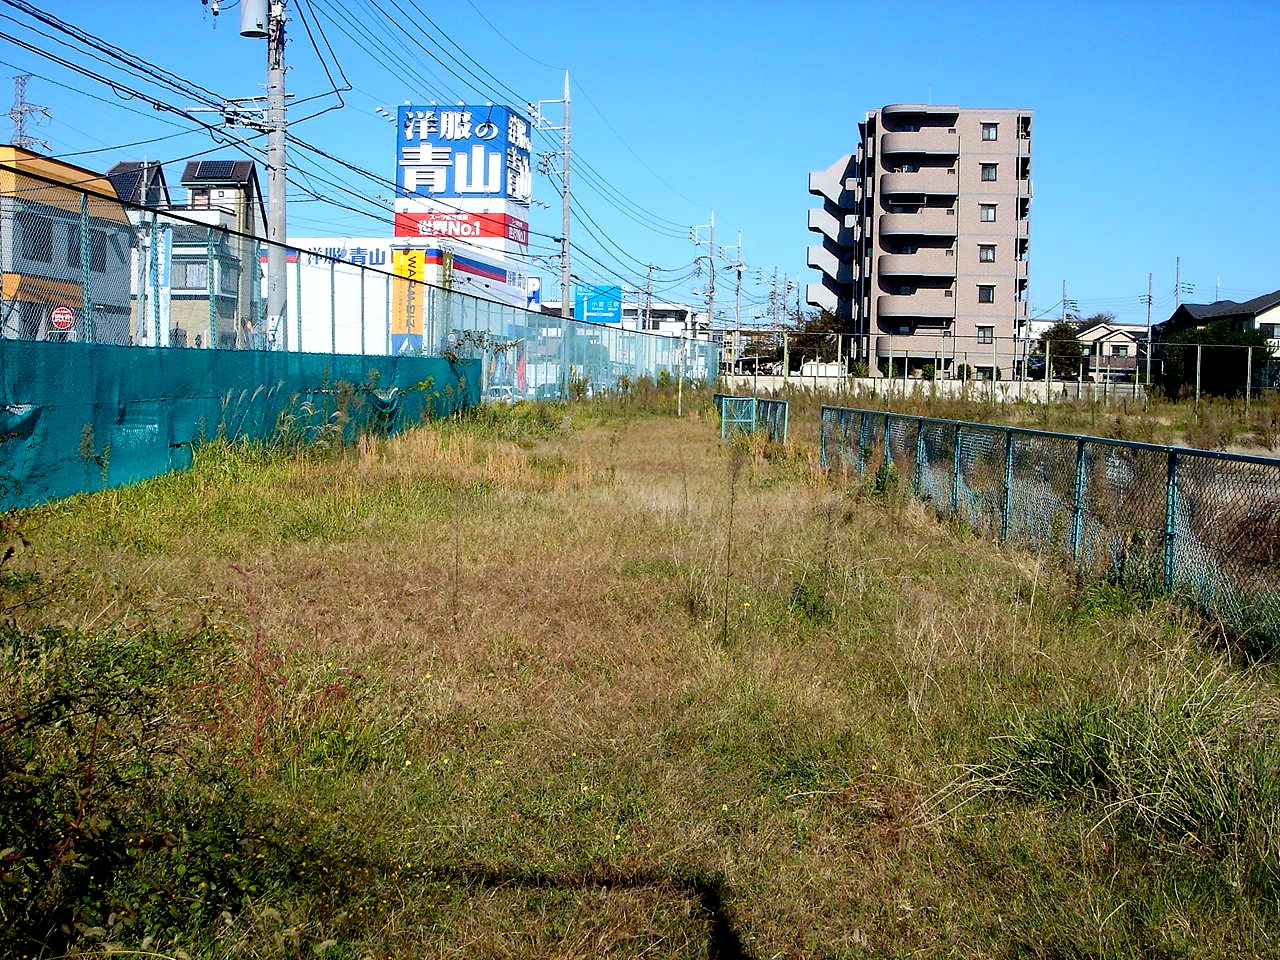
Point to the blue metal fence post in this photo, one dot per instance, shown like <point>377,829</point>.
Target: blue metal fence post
<point>1170,515</point>
<point>211,267</point>
<point>823,423</point>
<point>1006,503</point>
<point>1077,501</point>
<point>862,442</point>
<point>886,454</point>
<point>919,471</point>
<point>955,470</point>
<point>86,279</point>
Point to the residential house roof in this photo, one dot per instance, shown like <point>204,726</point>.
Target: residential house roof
<point>1200,314</point>
<point>141,182</point>
<point>202,172</point>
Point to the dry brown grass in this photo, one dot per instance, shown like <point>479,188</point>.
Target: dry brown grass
<point>518,645</point>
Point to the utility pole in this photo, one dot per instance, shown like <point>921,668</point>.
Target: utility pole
<point>19,113</point>
<point>711,262</point>
<point>1149,349</point>
<point>735,264</point>
<point>648,297</point>
<point>1179,288</point>
<point>259,20</point>
<point>566,292</point>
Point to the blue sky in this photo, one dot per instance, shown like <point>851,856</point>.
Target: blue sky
<point>1155,124</point>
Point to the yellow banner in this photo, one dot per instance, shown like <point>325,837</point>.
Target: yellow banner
<point>409,295</point>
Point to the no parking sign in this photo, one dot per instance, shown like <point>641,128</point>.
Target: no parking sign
<point>62,318</point>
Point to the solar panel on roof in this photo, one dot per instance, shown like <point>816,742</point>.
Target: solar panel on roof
<point>215,169</point>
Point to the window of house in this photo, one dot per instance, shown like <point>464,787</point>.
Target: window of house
<point>991,131</point>
<point>986,253</point>
<point>986,293</point>
<point>986,334</point>
<point>988,171</point>
<point>37,239</point>
<point>1119,349</point>
<point>987,212</point>
<point>190,276</point>
<point>97,251</point>
<point>73,246</point>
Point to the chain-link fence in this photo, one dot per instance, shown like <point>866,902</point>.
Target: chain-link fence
<point>81,265</point>
<point>1195,522</point>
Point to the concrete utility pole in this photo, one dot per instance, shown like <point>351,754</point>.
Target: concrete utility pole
<point>264,19</point>
<point>566,292</point>
<point>19,113</point>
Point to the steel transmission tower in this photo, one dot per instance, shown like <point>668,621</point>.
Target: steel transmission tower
<point>19,113</point>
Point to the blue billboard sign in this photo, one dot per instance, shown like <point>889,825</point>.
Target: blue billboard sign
<point>463,152</point>
<point>595,304</point>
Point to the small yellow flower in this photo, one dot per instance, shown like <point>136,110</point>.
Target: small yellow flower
<point>724,807</point>
<point>746,603</point>
<point>408,763</point>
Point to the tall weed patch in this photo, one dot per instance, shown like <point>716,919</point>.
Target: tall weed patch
<point>1186,762</point>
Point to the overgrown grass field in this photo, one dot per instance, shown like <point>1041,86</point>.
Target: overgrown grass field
<point>592,683</point>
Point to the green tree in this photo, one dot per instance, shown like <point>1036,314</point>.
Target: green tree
<point>1061,343</point>
<point>1223,359</point>
<point>813,337</point>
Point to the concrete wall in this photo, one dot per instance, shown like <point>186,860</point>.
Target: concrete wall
<point>1004,391</point>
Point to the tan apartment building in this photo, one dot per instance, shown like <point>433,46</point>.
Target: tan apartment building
<point>925,239</point>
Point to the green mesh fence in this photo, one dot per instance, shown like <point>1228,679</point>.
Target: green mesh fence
<point>750,414</point>
<point>80,416</point>
<point>1195,522</point>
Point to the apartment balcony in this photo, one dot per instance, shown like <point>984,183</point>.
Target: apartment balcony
<point>929,222</point>
<point>935,181</point>
<point>830,226</point>
<point>831,183</point>
<point>932,140</point>
<point>820,258</point>
<point>923,343</point>
<point>923,303</point>
<point>818,295</point>
<point>922,263</point>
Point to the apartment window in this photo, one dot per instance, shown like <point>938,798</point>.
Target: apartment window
<point>988,171</point>
<point>991,131</point>
<point>987,212</point>
<point>986,334</point>
<point>904,291</point>
<point>986,253</point>
<point>986,293</point>
<point>37,239</point>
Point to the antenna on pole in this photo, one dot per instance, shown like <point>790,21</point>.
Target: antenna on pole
<point>19,113</point>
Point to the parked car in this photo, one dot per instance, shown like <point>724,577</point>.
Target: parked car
<point>499,393</point>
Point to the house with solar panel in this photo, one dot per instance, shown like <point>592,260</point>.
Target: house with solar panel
<point>216,296</point>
